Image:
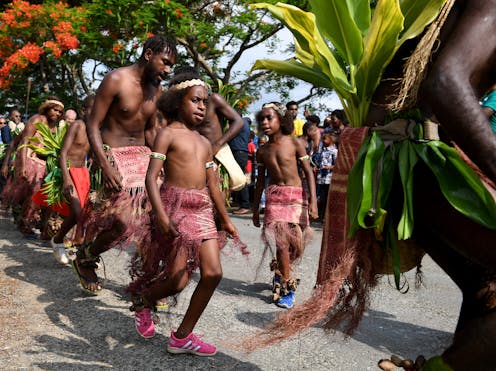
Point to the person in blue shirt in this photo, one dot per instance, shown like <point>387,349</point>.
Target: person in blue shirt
<point>488,103</point>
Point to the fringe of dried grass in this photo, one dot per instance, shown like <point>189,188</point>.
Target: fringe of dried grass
<point>415,68</point>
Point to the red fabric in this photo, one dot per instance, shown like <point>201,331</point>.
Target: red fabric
<point>81,179</point>
<point>40,199</point>
<point>251,154</point>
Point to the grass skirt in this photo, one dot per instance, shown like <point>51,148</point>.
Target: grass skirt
<point>191,211</point>
<point>129,206</point>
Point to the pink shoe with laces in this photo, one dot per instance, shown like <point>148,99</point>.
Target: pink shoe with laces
<point>191,344</point>
<point>144,323</point>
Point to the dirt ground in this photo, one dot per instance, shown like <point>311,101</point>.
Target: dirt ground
<point>48,323</point>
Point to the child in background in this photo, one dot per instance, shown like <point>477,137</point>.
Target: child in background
<point>326,160</point>
<point>287,208</point>
<point>184,235</point>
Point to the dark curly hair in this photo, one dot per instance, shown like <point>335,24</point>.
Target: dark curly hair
<point>284,115</point>
<point>159,44</point>
<point>170,100</point>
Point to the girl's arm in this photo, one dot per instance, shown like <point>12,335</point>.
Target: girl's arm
<point>305,165</point>
<point>161,146</point>
<point>218,200</point>
<point>259,187</point>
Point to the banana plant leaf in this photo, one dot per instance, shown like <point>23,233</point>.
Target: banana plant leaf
<point>459,184</point>
<point>366,42</point>
<point>49,146</point>
<point>407,159</point>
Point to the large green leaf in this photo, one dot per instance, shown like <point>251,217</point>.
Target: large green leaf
<point>375,151</point>
<point>407,159</point>
<point>380,46</point>
<point>459,183</point>
<point>309,40</point>
<point>296,69</point>
<point>343,32</point>
<point>418,14</point>
<point>354,190</point>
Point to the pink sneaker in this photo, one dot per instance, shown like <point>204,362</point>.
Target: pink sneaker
<point>191,344</point>
<point>144,323</point>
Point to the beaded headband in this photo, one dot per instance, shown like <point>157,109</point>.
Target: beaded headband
<point>188,84</point>
<point>279,108</point>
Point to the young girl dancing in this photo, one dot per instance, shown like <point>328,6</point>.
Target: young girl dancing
<point>184,235</point>
<point>286,221</point>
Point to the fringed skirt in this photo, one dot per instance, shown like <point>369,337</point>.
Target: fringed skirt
<point>130,205</point>
<point>19,190</point>
<point>286,222</point>
<point>191,212</point>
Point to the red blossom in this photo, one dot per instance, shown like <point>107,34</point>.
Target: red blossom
<point>117,47</point>
<point>67,41</point>
<point>108,11</point>
<point>62,27</point>
<point>179,14</point>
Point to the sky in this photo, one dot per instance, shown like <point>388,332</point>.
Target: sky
<point>260,52</point>
<point>249,58</point>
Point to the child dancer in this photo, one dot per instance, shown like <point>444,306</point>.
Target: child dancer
<point>185,235</point>
<point>326,160</point>
<point>286,211</point>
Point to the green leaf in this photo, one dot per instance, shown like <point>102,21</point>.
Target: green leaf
<point>380,47</point>
<point>343,32</point>
<point>407,159</point>
<point>374,152</point>
<point>459,183</point>
<point>294,68</point>
<point>418,14</point>
<point>354,190</point>
<point>310,42</point>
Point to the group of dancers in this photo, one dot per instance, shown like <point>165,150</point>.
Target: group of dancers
<point>158,153</point>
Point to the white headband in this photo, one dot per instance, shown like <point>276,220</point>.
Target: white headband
<point>188,84</point>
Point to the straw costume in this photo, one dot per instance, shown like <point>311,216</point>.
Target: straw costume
<point>192,212</point>
<point>286,226</point>
<point>99,215</point>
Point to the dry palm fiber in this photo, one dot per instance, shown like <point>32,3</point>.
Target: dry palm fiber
<point>415,67</point>
<point>345,274</point>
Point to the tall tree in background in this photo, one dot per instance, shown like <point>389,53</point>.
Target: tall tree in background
<point>66,49</point>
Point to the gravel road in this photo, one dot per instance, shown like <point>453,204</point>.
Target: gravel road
<point>48,323</point>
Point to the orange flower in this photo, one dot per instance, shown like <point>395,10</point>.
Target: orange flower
<point>108,11</point>
<point>149,34</point>
<point>179,14</point>
<point>67,41</point>
<point>117,47</point>
<point>30,52</point>
<point>203,44</point>
<point>62,27</point>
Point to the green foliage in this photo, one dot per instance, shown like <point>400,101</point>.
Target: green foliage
<point>346,46</point>
<point>49,147</point>
<point>370,199</point>
<point>212,36</point>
